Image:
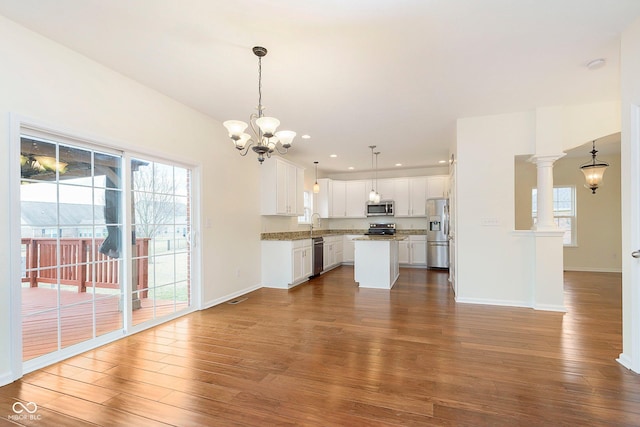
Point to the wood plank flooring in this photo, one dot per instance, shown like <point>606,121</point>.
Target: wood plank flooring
<point>328,353</point>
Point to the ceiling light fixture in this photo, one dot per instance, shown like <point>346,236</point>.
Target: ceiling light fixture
<point>372,193</point>
<point>596,63</point>
<point>594,171</point>
<point>267,138</point>
<point>316,186</point>
<point>377,198</point>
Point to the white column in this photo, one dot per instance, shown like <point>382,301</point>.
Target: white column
<point>544,166</point>
<point>548,280</point>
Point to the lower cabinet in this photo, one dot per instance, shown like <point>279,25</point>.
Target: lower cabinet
<point>413,251</point>
<point>286,263</point>
<point>349,248</point>
<point>332,252</point>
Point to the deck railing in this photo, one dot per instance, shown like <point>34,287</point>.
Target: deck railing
<point>80,263</point>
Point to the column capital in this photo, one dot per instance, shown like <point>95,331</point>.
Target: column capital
<point>540,159</point>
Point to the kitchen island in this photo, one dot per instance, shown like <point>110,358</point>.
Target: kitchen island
<point>376,262</point>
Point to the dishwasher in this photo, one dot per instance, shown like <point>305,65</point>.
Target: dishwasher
<point>318,248</point>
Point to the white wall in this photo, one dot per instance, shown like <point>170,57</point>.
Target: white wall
<point>630,147</point>
<point>52,84</point>
<point>495,264</point>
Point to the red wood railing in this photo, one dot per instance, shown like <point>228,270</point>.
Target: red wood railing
<point>81,264</point>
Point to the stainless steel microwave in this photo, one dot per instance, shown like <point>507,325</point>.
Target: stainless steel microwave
<point>382,208</point>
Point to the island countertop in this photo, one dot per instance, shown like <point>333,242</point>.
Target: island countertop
<point>395,238</point>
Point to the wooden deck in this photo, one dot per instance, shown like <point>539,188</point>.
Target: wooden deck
<point>327,353</point>
<point>40,331</point>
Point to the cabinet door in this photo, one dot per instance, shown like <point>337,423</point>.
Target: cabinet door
<point>355,199</point>
<point>418,195</point>
<point>385,188</point>
<point>321,201</point>
<point>298,264</point>
<point>282,200</point>
<point>403,252</point>
<point>297,201</point>
<point>307,260</point>
<point>436,186</point>
<point>401,197</point>
<point>418,250</point>
<point>338,198</point>
<point>348,249</point>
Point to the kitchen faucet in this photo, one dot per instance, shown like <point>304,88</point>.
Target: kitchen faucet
<point>313,215</point>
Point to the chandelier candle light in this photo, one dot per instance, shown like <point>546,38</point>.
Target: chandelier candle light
<point>264,128</point>
<point>594,171</point>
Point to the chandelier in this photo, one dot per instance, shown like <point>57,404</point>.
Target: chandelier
<point>265,140</point>
<point>594,171</point>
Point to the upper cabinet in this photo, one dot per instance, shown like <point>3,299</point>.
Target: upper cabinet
<point>437,186</point>
<point>347,199</point>
<point>282,187</point>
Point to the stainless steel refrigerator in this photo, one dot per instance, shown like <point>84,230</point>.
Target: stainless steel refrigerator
<point>438,233</point>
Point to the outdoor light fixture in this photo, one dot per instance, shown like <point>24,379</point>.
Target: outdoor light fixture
<point>594,171</point>
<point>316,186</point>
<point>265,139</point>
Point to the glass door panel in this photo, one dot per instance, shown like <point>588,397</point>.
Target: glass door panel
<point>161,210</point>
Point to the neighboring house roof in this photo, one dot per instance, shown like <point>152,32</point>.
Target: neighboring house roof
<point>45,213</point>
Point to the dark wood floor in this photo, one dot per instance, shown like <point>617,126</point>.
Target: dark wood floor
<point>328,353</point>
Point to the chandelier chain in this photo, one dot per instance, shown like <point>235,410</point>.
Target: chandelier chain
<point>259,86</point>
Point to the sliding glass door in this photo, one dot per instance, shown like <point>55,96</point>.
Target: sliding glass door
<point>83,277</point>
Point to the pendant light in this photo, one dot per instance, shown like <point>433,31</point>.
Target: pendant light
<point>373,193</point>
<point>316,186</point>
<point>594,171</point>
<point>265,140</point>
<point>377,198</point>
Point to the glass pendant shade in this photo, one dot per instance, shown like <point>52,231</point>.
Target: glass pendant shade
<point>316,188</point>
<point>372,195</point>
<point>377,198</point>
<point>235,127</point>
<point>594,175</point>
<point>286,137</point>
<point>240,143</point>
<point>268,125</point>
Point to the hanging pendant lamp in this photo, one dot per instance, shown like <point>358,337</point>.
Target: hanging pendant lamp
<point>594,171</point>
<point>316,186</point>
<point>373,193</point>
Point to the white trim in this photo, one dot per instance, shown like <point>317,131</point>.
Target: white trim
<point>15,322</point>
<point>550,307</point>
<point>502,303</point>
<point>231,296</point>
<point>594,269</point>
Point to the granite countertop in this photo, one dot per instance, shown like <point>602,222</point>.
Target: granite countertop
<point>396,238</point>
<point>300,235</point>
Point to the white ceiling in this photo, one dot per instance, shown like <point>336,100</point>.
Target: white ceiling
<point>391,73</point>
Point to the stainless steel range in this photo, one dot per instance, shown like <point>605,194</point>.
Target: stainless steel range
<point>381,229</point>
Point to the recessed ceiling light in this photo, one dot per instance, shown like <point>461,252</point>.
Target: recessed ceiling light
<point>351,168</point>
<point>596,63</point>
<point>398,164</point>
<point>333,156</point>
<point>442,161</point>
<point>305,136</point>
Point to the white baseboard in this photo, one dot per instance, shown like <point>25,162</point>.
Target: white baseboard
<point>545,307</point>
<point>6,378</point>
<point>594,270</point>
<point>504,303</point>
<point>229,297</point>
<point>626,361</point>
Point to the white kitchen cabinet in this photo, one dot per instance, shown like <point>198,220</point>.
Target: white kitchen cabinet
<point>332,252</point>
<point>348,249</point>
<point>418,196</point>
<point>286,263</point>
<point>338,199</point>
<point>402,202</point>
<point>384,187</point>
<point>437,186</point>
<point>418,250</point>
<point>322,200</point>
<point>281,188</point>
<point>403,252</point>
<point>356,198</point>
<point>348,199</point>
<point>413,251</point>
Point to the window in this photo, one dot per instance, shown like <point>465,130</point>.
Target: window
<point>564,211</point>
<point>306,218</point>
